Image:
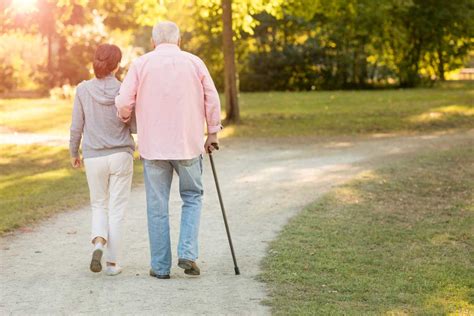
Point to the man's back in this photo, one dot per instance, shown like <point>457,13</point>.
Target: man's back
<point>174,97</point>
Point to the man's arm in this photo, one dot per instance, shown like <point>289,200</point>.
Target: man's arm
<point>212,103</point>
<point>212,107</point>
<point>125,101</point>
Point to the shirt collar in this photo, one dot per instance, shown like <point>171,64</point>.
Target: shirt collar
<point>167,47</point>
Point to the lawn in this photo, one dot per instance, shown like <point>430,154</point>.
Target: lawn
<point>398,240</point>
<point>37,181</point>
<point>356,112</point>
<point>36,115</point>
<point>280,114</point>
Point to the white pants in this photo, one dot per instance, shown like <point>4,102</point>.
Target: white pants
<point>110,179</point>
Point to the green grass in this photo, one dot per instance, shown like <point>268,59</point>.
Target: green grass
<point>36,115</point>
<point>37,181</point>
<point>356,112</point>
<point>398,240</point>
<point>283,114</point>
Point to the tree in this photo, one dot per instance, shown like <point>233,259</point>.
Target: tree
<point>230,82</point>
<point>450,34</point>
<point>253,45</point>
<point>58,22</point>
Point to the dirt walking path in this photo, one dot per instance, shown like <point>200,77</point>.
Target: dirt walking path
<point>264,184</point>
<point>9,138</point>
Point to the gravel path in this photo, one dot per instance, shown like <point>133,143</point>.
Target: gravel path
<point>45,270</point>
<point>8,138</point>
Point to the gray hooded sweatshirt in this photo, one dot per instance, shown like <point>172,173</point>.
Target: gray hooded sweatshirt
<point>95,118</point>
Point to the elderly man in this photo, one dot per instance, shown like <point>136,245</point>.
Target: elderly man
<point>174,95</point>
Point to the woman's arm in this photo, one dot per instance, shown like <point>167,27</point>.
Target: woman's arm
<point>77,127</point>
<point>133,122</point>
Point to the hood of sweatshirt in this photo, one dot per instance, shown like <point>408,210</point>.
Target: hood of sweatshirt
<point>104,90</point>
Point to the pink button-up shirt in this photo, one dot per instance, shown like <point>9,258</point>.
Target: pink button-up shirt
<point>174,96</point>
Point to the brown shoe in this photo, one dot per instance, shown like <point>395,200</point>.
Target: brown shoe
<point>161,277</point>
<point>190,267</point>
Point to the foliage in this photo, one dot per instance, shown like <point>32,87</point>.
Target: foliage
<point>280,45</point>
<point>358,43</point>
<point>429,38</point>
<point>7,73</point>
<point>19,64</point>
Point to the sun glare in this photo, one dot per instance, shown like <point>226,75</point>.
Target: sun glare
<point>24,6</point>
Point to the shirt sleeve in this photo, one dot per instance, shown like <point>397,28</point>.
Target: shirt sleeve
<point>125,100</point>
<point>77,126</point>
<point>212,104</point>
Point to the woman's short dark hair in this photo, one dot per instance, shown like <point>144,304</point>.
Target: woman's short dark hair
<point>106,59</point>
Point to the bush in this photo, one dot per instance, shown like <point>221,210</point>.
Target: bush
<point>66,92</point>
<point>7,82</point>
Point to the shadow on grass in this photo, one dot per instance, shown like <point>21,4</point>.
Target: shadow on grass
<point>36,115</point>
<point>324,113</point>
<point>37,181</point>
<point>280,114</point>
<point>397,240</point>
<point>450,116</point>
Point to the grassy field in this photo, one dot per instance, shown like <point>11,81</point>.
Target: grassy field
<point>283,114</point>
<point>356,112</point>
<point>36,115</point>
<point>398,240</point>
<point>37,181</point>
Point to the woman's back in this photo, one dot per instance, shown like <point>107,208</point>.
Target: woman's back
<point>95,116</point>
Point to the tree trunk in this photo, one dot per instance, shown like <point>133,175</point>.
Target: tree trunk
<point>230,82</point>
<point>47,28</point>
<point>50,65</point>
<point>355,68</point>
<point>441,65</point>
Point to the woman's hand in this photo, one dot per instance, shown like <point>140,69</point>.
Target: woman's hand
<point>76,162</point>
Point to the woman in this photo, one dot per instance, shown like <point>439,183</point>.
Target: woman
<point>107,149</point>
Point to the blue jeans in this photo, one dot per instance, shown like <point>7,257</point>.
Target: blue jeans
<point>158,176</point>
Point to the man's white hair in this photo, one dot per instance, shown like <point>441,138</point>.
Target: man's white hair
<point>165,32</point>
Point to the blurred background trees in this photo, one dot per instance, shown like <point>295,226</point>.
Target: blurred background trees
<point>279,45</point>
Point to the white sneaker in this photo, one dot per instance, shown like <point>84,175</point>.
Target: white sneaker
<point>113,270</point>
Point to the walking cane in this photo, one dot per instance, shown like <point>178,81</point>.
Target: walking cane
<point>236,268</point>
